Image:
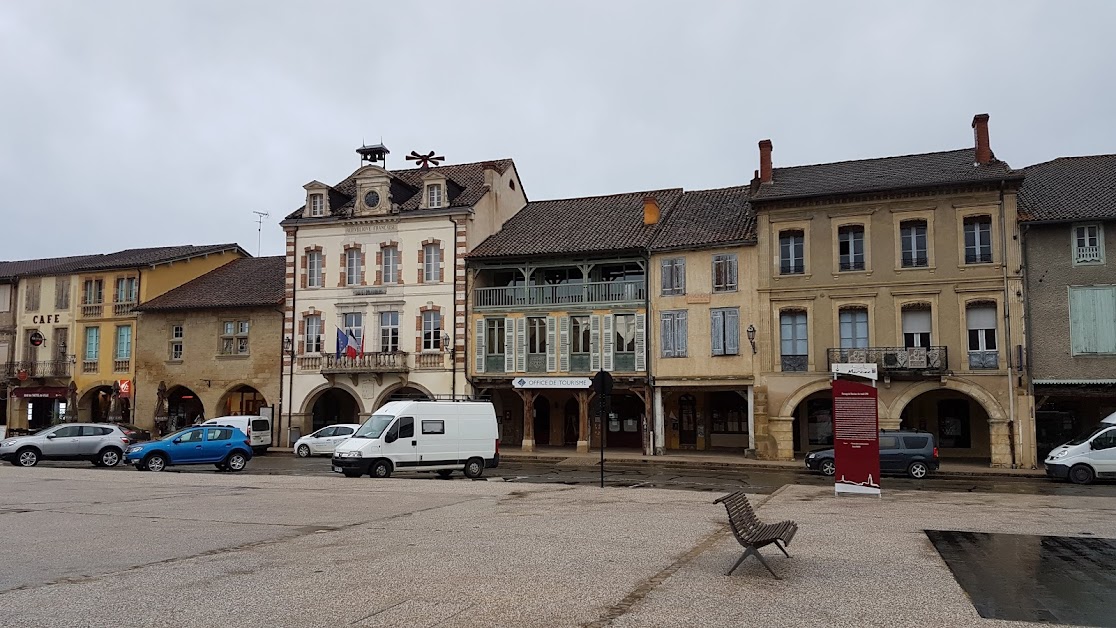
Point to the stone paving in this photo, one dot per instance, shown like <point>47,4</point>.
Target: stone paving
<point>86,548</point>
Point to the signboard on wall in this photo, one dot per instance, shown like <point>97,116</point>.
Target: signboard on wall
<point>125,387</point>
<point>856,438</point>
<point>552,382</point>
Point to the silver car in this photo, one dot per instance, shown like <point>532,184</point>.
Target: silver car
<point>100,443</point>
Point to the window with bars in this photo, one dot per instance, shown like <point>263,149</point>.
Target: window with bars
<point>850,247</point>
<point>234,338</point>
<point>978,240</point>
<point>724,272</point>
<point>912,237</point>
<point>792,252</point>
<point>389,268</point>
<point>389,332</point>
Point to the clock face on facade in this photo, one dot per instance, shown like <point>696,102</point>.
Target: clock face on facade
<point>372,198</point>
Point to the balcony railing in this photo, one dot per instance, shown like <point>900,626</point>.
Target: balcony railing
<point>984,360</point>
<point>494,363</point>
<point>793,363</point>
<point>1087,254</point>
<point>591,292</point>
<point>121,365</point>
<point>54,368</point>
<point>978,258</point>
<point>123,308</point>
<point>792,268</point>
<point>915,261</point>
<point>847,265</point>
<point>89,366</point>
<point>896,360</point>
<point>92,310</point>
<point>393,362</point>
<point>431,360</point>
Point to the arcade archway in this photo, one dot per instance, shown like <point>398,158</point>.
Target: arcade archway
<point>334,405</point>
<point>183,408</point>
<point>242,400</point>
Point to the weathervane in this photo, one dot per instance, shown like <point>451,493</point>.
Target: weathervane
<point>425,161</point>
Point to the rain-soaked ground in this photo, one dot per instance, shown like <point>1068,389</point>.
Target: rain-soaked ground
<point>1024,577</point>
<point>649,476</point>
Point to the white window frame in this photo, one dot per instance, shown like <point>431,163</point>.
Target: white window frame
<point>389,267</point>
<point>234,338</point>
<point>389,331</point>
<point>177,342</point>
<point>798,341</point>
<point>352,323</point>
<point>1082,256</point>
<point>317,205</point>
<point>434,196</point>
<point>918,339</point>
<point>126,289</point>
<point>431,263</point>
<point>431,331</point>
<point>313,340</point>
<point>352,267</point>
<point>495,336</point>
<point>315,275</point>
<point>854,260</point>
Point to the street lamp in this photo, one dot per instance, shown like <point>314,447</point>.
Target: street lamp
<point>752,337</point>
<point>447,345</point>
<point>287,344</point>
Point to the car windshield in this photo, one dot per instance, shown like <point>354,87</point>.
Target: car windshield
<point>374,426</point>
<point>1081,440</point>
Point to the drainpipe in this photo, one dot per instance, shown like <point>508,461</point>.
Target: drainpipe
<point>1012,432</point>
<point>294,342</point>
<point>656,417</point>
<point>1026,318</point>
<point>277,417</point>
<point>453,323</point>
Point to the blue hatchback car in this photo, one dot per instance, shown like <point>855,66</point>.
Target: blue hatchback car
<point>225,447</point>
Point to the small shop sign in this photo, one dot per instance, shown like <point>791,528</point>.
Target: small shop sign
<point>551,382</point>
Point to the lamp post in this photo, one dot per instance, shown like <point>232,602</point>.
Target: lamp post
<point>447,345</point>
<point>288,349</point>
<point>752,337</point>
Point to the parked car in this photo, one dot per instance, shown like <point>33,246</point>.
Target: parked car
<point>901,451</point>
<point>1087,458</point>
<point>102,444</point>
<point>439,436</point>
<point>226,448</point>
<point>258,429</point>
<point>324,440</point>
<point>135,433</point>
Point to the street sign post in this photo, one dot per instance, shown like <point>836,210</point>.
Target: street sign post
<point>602,385</point>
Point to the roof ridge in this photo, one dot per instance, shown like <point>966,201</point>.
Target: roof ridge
<point>595,196</point>
<point>867,159</point>
<point>1069,157</point>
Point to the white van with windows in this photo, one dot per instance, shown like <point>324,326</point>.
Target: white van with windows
<point>437,436</point>
<point>258,429</point>
<point>1087,458</point>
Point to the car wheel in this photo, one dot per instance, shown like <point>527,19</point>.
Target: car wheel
<point>27,457</point>
<point>155,462</point>
<point>445,474</point>
<point>236,461</point>
<point>918,470</point>
<point>303,451</point>
<point>109,457</point>
<point>474,468</point>
<point>1081,474</point>
<point>827,466</point>
<point>380,469</point>
<point>351,474</point>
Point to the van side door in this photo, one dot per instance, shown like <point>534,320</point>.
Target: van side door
<point>403,448</point>
<point>1103,453</point>
<point>438,441</point>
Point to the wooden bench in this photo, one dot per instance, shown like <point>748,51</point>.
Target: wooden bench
<point>754,534</point>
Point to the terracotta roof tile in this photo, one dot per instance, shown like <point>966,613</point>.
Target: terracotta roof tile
<point>707,218</point>
<point>244,282</point>
<point>1070,188</point>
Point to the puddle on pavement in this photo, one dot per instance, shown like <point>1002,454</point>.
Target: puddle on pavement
<point>1022,577</point>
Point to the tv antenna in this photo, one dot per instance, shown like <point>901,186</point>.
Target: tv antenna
<point>259,229</point>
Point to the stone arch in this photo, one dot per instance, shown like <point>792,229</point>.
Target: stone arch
<point>250,404</point>
<point>312,397</point>
<point>91,405</point>
<point>987,401</point>
<point>806,390</point>
<point>391,390</point>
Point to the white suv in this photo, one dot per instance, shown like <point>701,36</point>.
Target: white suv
<point>103,444</point>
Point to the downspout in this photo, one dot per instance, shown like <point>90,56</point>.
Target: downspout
<point>647,353</point>
<point>1013,433</point>
<point>1026,319</point>
<point>453,322</point>
<point>294,342</point>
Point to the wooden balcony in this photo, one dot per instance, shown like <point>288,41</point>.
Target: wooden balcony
<point>594,292</point>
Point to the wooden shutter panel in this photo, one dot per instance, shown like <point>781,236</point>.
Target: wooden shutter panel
<point>478,346</point>
<point>641,342</point>
<point>608,342</point>
<point>1106,320</point>
<point>680,269</point>
<point>551,344</point>
<point>594,343</point>
<point>666,334</point>
<point>521,345</point>
<point>717,331</point>
<point>564,344</point>
<point>680,334</point>
<point>732,331</point>
<point>666,277</point>
<point>509,345</point>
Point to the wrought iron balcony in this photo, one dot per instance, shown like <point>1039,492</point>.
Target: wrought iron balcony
<point>380,362</point>
<point>978,258</point>
<point>915,261</point>
<point>916,361</point>
<point>53,368</point>
<point>792,268</point>
<point>847,265</point>
<point>560,294</point>
<point>794,363</point>
<point>984,360</point>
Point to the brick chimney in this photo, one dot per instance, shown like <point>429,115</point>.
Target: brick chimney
<point>765,161</point>
<point>650,210</point>
<point>980,138</point>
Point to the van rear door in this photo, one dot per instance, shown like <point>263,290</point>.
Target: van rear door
<point>261,431</point>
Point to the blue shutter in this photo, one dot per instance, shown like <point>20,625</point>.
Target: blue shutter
<point>717,331</point>
<point>732,331</point>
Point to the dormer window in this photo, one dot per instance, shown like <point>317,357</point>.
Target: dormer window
<point>317,205</point>
<point>434,195</point>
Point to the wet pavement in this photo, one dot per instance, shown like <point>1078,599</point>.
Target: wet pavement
<point>716,480</point>
<point>1023,577</point>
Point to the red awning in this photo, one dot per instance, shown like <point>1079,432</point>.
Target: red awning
<point>40,392</point>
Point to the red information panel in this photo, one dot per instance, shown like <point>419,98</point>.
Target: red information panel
<point>856,438</point>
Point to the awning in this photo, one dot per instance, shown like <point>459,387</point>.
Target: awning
<point>40,392</point>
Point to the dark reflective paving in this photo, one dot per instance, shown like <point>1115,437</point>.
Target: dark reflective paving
<point>1021,577</point>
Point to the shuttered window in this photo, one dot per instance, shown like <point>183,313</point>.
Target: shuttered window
<point>1093,319</point>
<point>724,272</point>
<point>724,324</point>
<point>674,276</point>
<point>672,329</point>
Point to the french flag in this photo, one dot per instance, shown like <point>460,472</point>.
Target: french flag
<point>347,345</point>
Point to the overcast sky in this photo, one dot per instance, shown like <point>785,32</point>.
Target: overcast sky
<point>147,123</point>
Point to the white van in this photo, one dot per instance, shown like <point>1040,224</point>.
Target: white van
<point>257,428</point>
<point>1084,459</point>
<point>441,436</point>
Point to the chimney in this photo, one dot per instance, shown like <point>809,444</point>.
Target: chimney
<point>980,137</point>
<point>650,210</point>
<point>765,161</point>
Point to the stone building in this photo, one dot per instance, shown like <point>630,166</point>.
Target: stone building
<point>81,313</point>
<point>375,283</point>
<point>214,344</point>
<point>703,312</point>
<point>1068,208</point>
<point>912,263</point>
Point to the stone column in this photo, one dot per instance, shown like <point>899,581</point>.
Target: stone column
<point>528,420</point>
<point>999,442</point>
<point>781,429</point>
<point>660,423</point>
<point>583,397</point>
